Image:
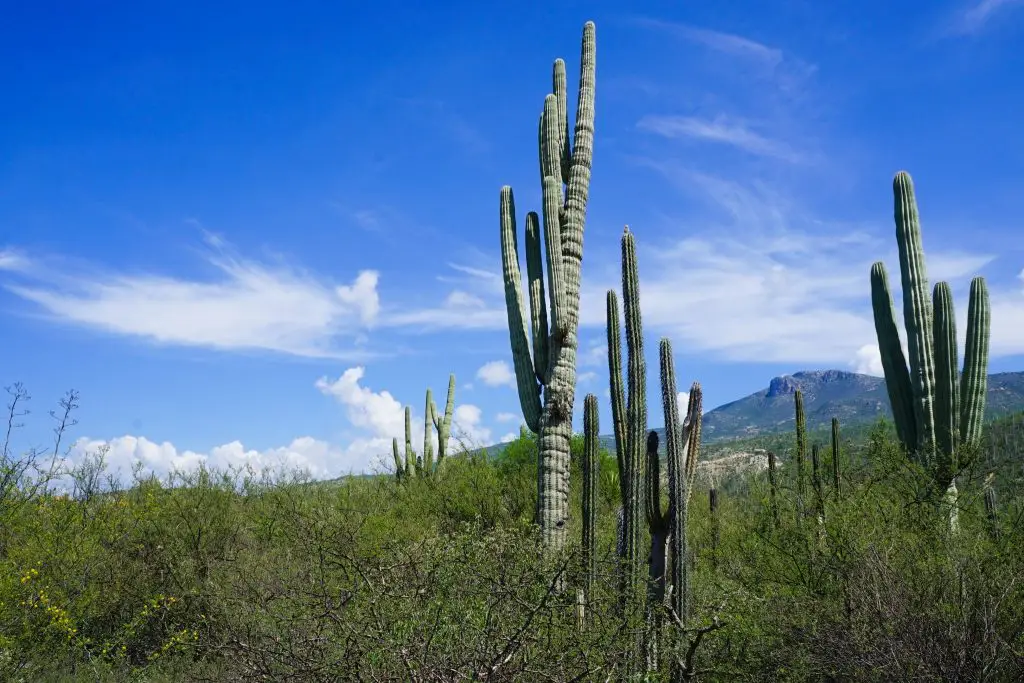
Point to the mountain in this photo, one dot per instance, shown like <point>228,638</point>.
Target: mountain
<point>854,398</point>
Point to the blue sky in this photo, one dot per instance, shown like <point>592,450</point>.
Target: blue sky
<point>253,235</point>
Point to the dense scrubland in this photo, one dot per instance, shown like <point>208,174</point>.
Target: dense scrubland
<point>233,577</point>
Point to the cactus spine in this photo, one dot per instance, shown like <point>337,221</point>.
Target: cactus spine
<point>553,325</point>
<point>936,411</point>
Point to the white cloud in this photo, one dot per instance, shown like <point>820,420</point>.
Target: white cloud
<point>320,459</point>
<point>497,373</point>
<point>726,43</point>
<point>507,438</point>
<point>868,361</point>
<point>585,377</point>
<point>378,412</point>
<point>721,129</point>
<point>976,16</point>
<point>682,403</point>
<point>507,417</point>
<point>249,306</point>
<point>467,425</point>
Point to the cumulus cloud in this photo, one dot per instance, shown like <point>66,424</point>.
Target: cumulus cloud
<point>507,417</point>
<point>975,16</point>
<point>868,361</point>
<point>497,373</point>
<point>250,305</point>
<point>378,412</point>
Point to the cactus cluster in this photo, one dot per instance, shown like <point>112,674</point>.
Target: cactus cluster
<point>640,476</point>
<point>425,464</point>
<point>544,351</point>
<point>936,408</point>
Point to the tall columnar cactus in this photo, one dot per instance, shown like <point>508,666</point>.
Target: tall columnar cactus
<point>630,429</point>
<point>773,490</point>
<point>410,456</point>
<point>591,429</point>
<point>836,460</point>
<point>399,465</point>
<point>428,450</point>
<point>565,180</point>
<point>801,452</point>
<point>936,411</point>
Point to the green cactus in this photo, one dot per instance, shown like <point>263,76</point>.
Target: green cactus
<point>630,429</point>
<point>591,429</point>
<point>836,464</point>
<point>565,179</point>
<point>935,410</point>
<point>682,446</point>
<point>801,452</point>
<point>425,464</point>
<point>444,425</point>
<point>773,491</point>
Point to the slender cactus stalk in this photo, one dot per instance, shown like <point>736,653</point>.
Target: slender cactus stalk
<point>801,454</point>
<point>591,429</point>
<point>836,464</point>
<point>773,490</point>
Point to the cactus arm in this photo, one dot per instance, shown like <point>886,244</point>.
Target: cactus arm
<point>558,83</point>
<point>616,389</point>
<point>444,426</point>
<point>538,305</point>
<point>917,312</point>
<point>801,449</point>
<point>410,457</point>
<point>974,381</point>
<point>428,448</point>
<point>894,363</point>
<point>693,425</point>
<point>947,383</point>
<point>677,493</point>
<point>836,474</point>
<point>652,499</point>
<point>557,306</point>
<point>398,459</point>
<point>526,380</point>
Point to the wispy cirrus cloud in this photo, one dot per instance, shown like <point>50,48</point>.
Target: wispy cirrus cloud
<point>975,17</point>
<point>721,129</point>
<point>250,305</point>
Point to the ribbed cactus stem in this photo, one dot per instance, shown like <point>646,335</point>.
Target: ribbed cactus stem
<point>410,457</point>
<point>591,430</point>
<point>974,381</point>
<point>616,389</point>
<point>837,484</point>
<point>399,466</point>
<point>773,490</point>
<point>716,530</point>
<point>947,382</point>
<point>549,370</point>
<point>801,451</point>
<point>819,491</point>
<point>894,363</point>
<point>428,447</point>
<point>680,449</point>
<point>444,425</point>
<point>991,507</point>
<point>917,312</point>
<point>636,405</point>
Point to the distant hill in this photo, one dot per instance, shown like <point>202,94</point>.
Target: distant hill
<point>854,398</point>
